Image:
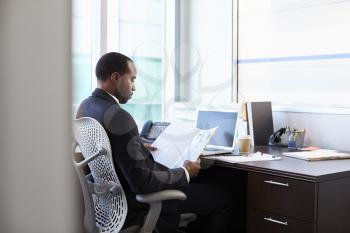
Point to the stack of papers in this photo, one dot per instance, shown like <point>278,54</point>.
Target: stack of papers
<point>258,156</point>
<point>316,155</point>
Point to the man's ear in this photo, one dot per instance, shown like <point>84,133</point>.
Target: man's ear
<point>115,77</point>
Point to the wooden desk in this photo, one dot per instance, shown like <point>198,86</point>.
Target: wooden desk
<point>295,196</point>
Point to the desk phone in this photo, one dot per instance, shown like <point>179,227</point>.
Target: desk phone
<point>151,130</point>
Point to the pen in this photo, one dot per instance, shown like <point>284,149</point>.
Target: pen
<point>272,156</point>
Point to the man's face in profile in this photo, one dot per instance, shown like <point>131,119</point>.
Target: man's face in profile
<point>126,84</point>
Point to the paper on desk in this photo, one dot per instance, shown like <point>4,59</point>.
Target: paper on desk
<point>315,155</point>
<point>258,156</point>
<point>179,142</point>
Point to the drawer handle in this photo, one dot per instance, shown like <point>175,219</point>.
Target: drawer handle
<point>276,183</point>
<point>276,221</point>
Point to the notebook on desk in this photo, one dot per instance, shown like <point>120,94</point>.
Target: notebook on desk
<point>223,140</point>
<point>316,155</point>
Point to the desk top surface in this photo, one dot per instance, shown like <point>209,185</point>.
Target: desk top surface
<point>315,171</point>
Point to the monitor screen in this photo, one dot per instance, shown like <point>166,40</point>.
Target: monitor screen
<point>226,121</point>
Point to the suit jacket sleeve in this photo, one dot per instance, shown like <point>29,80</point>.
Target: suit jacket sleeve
<point>142,173</point>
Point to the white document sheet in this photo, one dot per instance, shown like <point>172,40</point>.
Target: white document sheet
<point>258,156</point>
<point>179,142</point>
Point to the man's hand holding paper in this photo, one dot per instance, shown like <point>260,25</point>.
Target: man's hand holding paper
<point>193,167</point>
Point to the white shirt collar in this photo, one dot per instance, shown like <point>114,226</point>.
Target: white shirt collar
<point>115,98</point>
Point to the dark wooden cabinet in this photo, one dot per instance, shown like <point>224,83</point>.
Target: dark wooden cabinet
<point>278,204</point>
<point>265,222</point>
<point>283,196</point>
<point>295,196</point>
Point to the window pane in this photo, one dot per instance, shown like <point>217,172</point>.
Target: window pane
<point>141,36</point>
<point>82,42</point>
<point>204,50</point>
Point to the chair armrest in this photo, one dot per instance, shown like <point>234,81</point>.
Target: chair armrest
<point>161,196</point>
<point>87,160</point>
<point>155,202</point>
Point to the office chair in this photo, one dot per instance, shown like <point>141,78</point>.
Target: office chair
<point>104,199</point>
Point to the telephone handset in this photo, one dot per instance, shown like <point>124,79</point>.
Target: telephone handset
<point>275,139</point>
<point>151,130</point>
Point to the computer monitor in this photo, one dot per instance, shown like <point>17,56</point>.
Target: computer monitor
<point>224,138</point>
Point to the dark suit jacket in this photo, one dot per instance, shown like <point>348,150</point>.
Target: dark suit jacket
<point>135,167</point>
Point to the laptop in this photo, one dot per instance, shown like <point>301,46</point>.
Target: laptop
<point>223,140</point>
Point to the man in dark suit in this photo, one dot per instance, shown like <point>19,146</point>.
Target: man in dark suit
<point>135,167</point>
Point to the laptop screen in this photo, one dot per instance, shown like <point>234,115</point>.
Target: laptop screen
<point>226,121</point>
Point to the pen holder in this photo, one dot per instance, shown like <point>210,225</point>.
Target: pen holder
<point>296,138</point>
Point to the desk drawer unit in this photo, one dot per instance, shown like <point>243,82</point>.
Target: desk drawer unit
<point>282,196</point>
<point>264,222</point>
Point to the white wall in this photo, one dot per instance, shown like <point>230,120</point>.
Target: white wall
<point>37,181</point>
<point>324,130</point>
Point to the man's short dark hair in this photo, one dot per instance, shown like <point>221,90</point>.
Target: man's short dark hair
<point>110,63</point>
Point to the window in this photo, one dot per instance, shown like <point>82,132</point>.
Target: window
<point>202,58</point>
<point>213,54</point>
<point>295,52</point>
<point>81,46</point>
<point>136,29</point>
<point>132,27</point>
<point>204,71</point>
